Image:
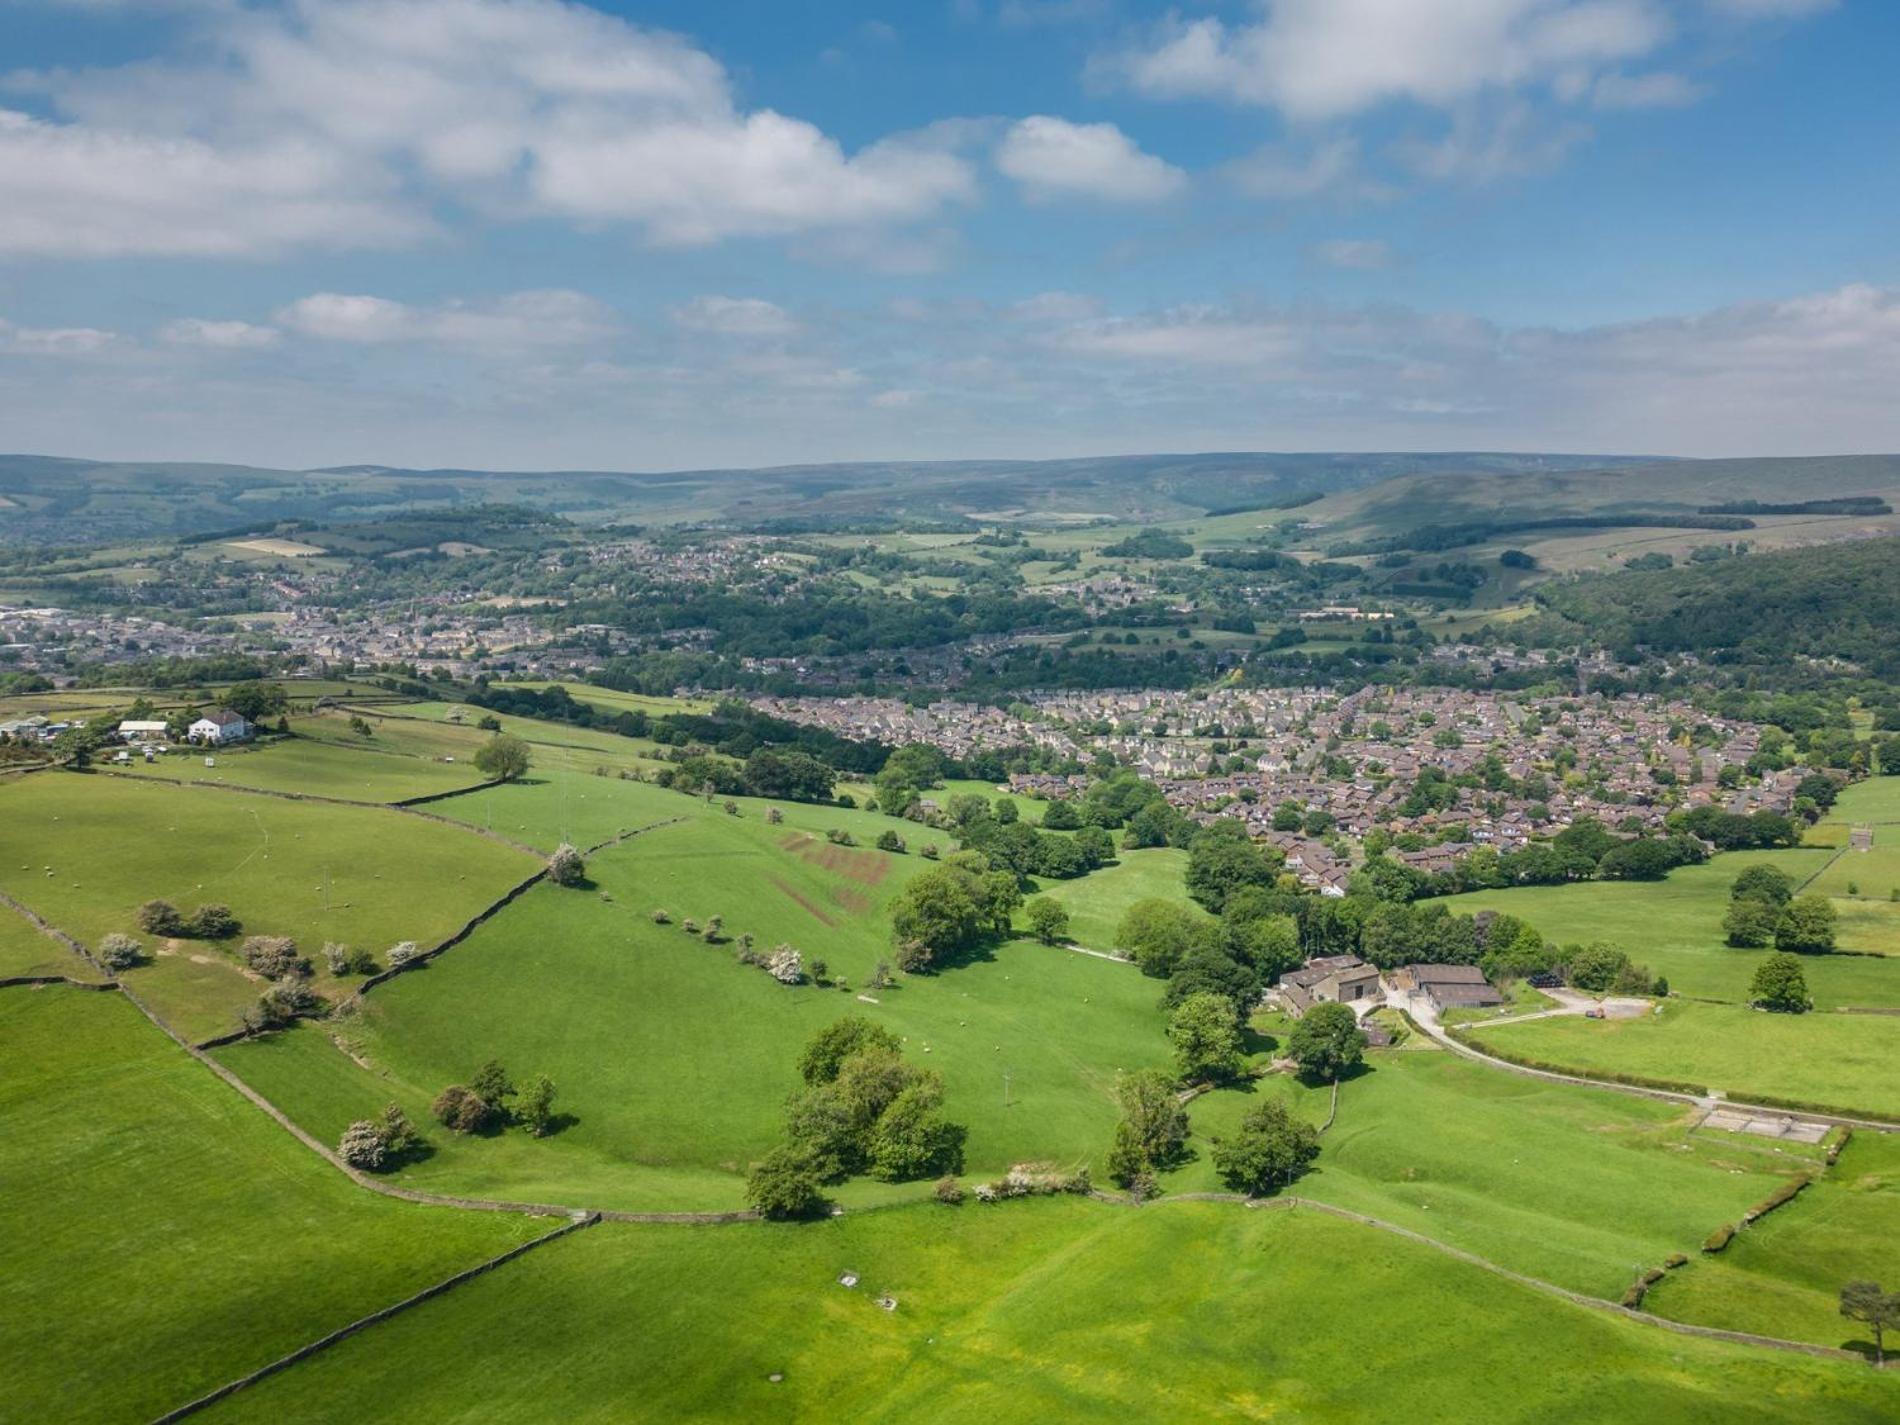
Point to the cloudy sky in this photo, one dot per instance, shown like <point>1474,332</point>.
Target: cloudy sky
<point>529,234</point>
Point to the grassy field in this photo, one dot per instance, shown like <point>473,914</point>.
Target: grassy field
<point>1843,1061</point>
<point>553,745</point>
<point>1052,1310</point>
<point>1097,902</point>
<point>1783,1275</point>
<point>163,1236</point>
<point>675,1059</point>
<point>317,768</point>
<point>1875,801</point>
<point>26,950</point>
<point>1675,927</point>
<point>85,851</point>
<point>552,805</point>
<point>1577,1186</point>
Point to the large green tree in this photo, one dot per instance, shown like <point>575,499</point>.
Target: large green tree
<point>1327,1042</point>
<point>503,758</point>
<point>1779,984</point>
<point>1806,926</point>
<point>1205,1032</point>
<point>1270,1150</point>
<point>1153,1127</point>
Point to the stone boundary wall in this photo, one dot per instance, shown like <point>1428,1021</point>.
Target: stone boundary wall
<point>304,1353</point>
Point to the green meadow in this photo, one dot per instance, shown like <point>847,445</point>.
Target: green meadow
<point>674,1058</point>
<point>1097,902</point>
<point>1843,1062</point>
<point>1675,927</point>
<point>86,851</point>
<point>1044,1310</point>
<point>163,1236</point>
<point>317,768</point>
<point>1782,1275</point>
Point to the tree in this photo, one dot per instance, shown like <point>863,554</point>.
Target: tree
<point>1205,1032</point>
<point>1779,984</point>
<point>362,1146</point>
<point>461,1110</point>
<point>398,1133</point>
<point>274,956</point>
<point>1327,1042</point>
<point>1153,1126</point>
<point>1271,1149</point>
<point>1865,1302</point>
<point>1750,924</point>
<point>1060,816</point>
<point>212,921</point>
<point>785,1186</point>
<point>1221,859</point>
<point>819,1125</point>
<point>1209,967</point>
<point>118,952</point>
<point>827,1050</point>
<point>786,966</point>
<point>890,841</point>
<point>1806,925</point>
<point>939,914</point>
<point>1157,933</point>
<point>1596,967</point>
<point>1763,883</point>
<point>1048,921</point>
<point>493,1086</point>
<point>535,1112</point>
<point>566,868</point>
<point>503,758</point>
<point>912,1139</point>
<point>160,918</point>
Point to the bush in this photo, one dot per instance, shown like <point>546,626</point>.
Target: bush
<point>838,836</point>
<point>399,1134</point>
<point>785,1186</point>
<point>461,1110</point>
<point>566,868</point>
<point>160,918</point>
<point>662,917</point>
<point>213,922</point>
<point>535,1112</point>
<point>890,841</point>
<point>118,952</point>
<point>949,1192</point>
<point>274,956</point>
<point>402,953</point>
<point>362,1146</point>
<point>786,966</point>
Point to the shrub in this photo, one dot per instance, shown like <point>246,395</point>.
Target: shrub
<point>689,925</point>
<point>786,966</point>
<point>819,971</point>
<point>335,956</point>
<point>274,956</point>
<point>398,1133</point>
<point>492,1085</point>
<point>785,1186</point>
<point>160,918</point>
<point>949,1191</point>
<point>838,836</point>
<point>118,952</point>
<point>362,1146</point>
<point>213,922</point>
<point>929,851</point>
<point>461,1110</point>
<point>715,930</point>
<point>566,868</point>
<point>402,953</point>
<point>773,816</point>
<point>662,917</point>
<point>890,841</point>
<point>536,1109</point>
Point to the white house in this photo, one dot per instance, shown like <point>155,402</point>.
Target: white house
<point>139,730</point>
<point>220,726</point>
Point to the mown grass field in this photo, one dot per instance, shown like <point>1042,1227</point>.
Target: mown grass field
<point>1051,1310</point>
<point>1571,1185</point>
<point>1097,902</point>
<point>675,1059</point>
<point>1675,927</point>
<point>316,768</point>
<point>1875,801</point>
<point>86,851</point>
<point>554,745</point>
<point>162,1236</point>
<point>1782,1276</point>
<point>1840,1061</point>
<point>27,950</point>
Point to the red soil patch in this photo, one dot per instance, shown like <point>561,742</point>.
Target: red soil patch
<point>823,919</point>
<point>867,868</point>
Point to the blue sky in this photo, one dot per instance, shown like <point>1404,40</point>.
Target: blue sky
<point>530,234</point>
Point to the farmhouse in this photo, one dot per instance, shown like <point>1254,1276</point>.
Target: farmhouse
<point>1448,986</point>
<point>220,726</point>
<point>1331,979</point>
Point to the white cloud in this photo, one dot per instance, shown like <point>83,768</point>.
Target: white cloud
<point>222,336</point>
<point>340,123</point>
<point>1354,254</point>
<point>734,316</point>
<point>1485,144</point>
<point>521,320</point>
<point>1324,59</point>
<point>1053,158</point>
<point>1659,89</point>
<point>1280,172</point>
<point>1057,307</point>
<point>59,341</point>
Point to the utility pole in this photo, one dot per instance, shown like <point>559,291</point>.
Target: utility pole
<point>1006,1088</point>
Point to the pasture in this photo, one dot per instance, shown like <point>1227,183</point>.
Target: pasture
<point>1839,1061</point>
<point>1096,902</point>
<point>27,950</point>
<point>315,768</point>
<point>675,1059</point>
<point>1675,927</point>
<point>86,851</point>
<point>1782,1275</point>
<point>162,1235</point>
<point>1570,1185</point>
<point>1042,1310</point>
